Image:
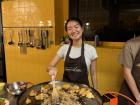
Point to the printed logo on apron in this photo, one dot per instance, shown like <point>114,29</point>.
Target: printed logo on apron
<point>73,69</point>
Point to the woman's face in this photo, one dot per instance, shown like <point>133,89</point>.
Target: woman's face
<point>74,30</point>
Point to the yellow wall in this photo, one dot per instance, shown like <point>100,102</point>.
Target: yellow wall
<point>66,9</point>
<point>109,71</point>
<point>29,13</point>
<point>26,13</point>
<point>31,67</point>
<point>61,14</point>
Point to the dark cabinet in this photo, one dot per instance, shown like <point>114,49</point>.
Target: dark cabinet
<point>112,20</point>
<point>2,52</point>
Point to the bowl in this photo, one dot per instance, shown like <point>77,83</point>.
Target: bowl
<point>13,88</point>
<point>16,88</point>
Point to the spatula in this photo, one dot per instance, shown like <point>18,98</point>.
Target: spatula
<point>55,95</point>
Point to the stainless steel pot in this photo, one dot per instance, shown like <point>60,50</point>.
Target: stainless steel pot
<point>16,88</point>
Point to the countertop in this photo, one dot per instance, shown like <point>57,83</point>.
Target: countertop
<point>116,45</point>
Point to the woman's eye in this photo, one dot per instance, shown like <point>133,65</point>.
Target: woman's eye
<point>69,29</point>
<point>77,26</point>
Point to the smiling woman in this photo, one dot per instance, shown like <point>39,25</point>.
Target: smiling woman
<point>80,57</point>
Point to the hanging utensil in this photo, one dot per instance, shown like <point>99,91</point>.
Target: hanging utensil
<point>44,39</point>
<point>11,42</point>
<point>31,38</point>
<point>47,38</point>
<point>23,46</point>
<point>39,40</point>
<point>43,42</point>
<point>20,42</point>
<point>19,36</point>
<point>55,95</point>
<point>27,36</point>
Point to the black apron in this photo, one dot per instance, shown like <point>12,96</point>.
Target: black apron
<point>125,89</point>
<point>75,69</point>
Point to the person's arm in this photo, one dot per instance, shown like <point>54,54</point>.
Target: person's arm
<point>132,84</point>
<point>93,73</point>
<point>52,66</point>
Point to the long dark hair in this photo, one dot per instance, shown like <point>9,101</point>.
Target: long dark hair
<point>78,21</point>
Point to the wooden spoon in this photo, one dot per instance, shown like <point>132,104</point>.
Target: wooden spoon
<point>55,95</point>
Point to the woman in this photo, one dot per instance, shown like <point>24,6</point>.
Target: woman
<point>79,57</point>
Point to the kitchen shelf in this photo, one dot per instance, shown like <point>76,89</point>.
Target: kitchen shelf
<point>29,27</point>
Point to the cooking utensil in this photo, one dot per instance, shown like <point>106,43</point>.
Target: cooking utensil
<point>31,38</point>
<point>13,88</point>
<point>39,40</point>
<point>22,98</point>
<point>47,38</point>
<point>23,45</point>
<point>20,40</point>
<point>11,42</point>
<point>43,39</point>
<point>16,88</point>
<point>55,95</point>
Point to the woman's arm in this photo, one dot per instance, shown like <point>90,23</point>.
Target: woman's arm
<point>93,73</point>
<point>52,66</point>
<point>131,83</point>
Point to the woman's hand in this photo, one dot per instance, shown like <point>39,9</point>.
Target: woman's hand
<point>138,100</point>
<point>52,66</point>
<point>52,71</point>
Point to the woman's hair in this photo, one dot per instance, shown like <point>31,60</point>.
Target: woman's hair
<point>73,19</point>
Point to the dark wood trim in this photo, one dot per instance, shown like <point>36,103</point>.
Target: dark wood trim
<point>2,47</point>
<point>73,8</point>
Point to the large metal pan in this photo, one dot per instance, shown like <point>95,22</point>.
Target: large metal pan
<point>97,100</point>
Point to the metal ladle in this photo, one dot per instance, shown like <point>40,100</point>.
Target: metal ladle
<point>11,40</point>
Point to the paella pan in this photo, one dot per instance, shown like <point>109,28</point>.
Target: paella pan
<point>69,94</point>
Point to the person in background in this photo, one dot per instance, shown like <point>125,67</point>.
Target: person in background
<point>78,56</point>
<point>130,60</point>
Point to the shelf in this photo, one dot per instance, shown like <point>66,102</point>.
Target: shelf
<point>29,27</point>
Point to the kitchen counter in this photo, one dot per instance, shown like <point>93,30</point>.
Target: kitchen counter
<point>117,45</point>
<point>111,47</point>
